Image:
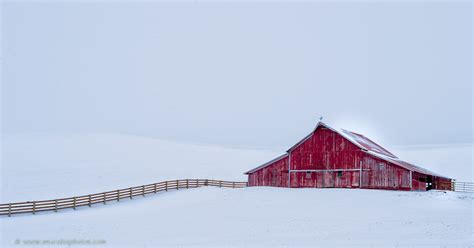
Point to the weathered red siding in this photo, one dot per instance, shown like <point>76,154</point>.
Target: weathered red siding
<point>275,174</point>
<point>380,174</point>
<point>325,150</point>
<point>420,182</point>
<point>442,183</point>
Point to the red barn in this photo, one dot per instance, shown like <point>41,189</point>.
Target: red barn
<point>330,158</point>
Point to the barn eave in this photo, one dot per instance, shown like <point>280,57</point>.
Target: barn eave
<point>405,165</point>
<point>267,163</point>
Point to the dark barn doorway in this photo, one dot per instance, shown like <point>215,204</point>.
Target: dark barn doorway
<point>429,183</point>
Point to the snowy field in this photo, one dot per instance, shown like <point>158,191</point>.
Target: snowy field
<point>41,166</point>
<point>44,166</point>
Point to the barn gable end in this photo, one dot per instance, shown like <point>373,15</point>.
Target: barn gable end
<point>325,159</point>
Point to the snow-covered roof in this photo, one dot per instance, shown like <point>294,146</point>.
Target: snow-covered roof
<point>364,143</point>
<point>267,163</point>
<point>404,164</point>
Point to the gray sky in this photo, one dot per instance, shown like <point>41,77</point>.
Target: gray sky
<point>240,74</point>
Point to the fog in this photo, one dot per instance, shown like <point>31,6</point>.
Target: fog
<point>239,74</point>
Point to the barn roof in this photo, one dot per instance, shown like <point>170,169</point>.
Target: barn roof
<point>267,163</point>
<point>406,165</point>
<point>364,143</point>
<point>367,144</point>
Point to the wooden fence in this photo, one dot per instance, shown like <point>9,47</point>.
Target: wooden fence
<point>114,195</point>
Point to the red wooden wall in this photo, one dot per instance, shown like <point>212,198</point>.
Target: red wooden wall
<point>380,174</point>
<point>328,150</point>
<point>442,183</point>
<point>275,174</point>
<point>420,182</point>
<point>325,149</point>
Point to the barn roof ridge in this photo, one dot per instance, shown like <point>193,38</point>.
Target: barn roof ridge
<point>320,123</point>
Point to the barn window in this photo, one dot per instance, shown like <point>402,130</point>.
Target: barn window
<point>308,175</point>
<point>381,165</point>
<point>339,174</point>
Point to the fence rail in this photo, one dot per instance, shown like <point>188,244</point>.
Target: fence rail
<point>459,186</point>
<point>114,195</point>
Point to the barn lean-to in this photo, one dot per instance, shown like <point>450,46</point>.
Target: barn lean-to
<point>331,158</point>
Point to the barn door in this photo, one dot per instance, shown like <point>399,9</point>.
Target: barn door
<point>328,179</point>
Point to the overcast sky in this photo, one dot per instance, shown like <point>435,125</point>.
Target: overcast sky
<point>239,74</point>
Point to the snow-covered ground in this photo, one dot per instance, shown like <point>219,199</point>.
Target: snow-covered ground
<point>45,166</point>
<point>42,166</point>
<point>260,217</point>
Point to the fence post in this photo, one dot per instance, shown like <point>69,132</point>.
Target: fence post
<point>177,184</point>
<point>206,183</point>
<point>143,190</point>
<point>104,197</point>
<point>233,184</point>
<point>55,205</point>
<point>118,195</point>
<point>187,183</point>
<point>74,203</point>
<point>131,193</point>
<point>34,207</point>
<point>166,185</point>
<point>89,200</point>
<point>220,184</point>
<point>154,188</point>
<point>9,209</point>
